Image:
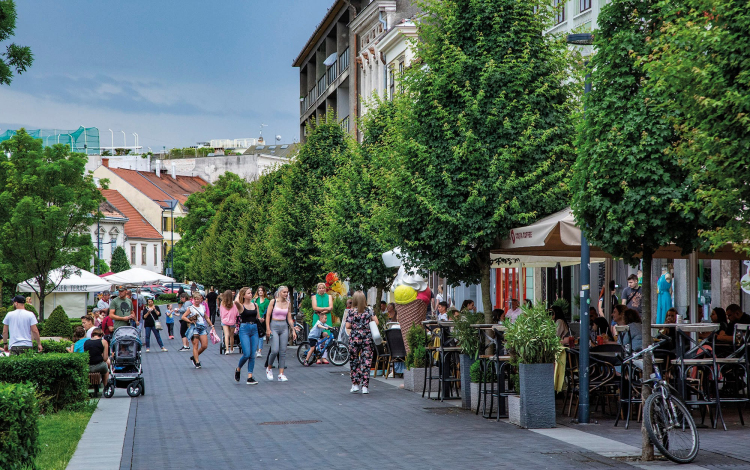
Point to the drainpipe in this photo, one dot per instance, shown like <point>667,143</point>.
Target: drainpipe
<point>384,22</point>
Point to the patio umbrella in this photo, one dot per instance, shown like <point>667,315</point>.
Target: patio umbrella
<point>138,277</point>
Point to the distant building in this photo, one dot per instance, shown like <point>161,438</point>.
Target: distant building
<point>109,233</point>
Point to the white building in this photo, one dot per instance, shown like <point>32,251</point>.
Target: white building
<point>111,231</point>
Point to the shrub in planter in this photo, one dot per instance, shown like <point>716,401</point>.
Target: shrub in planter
<point>475,373</point>
<point>337,310</point>
<point>18,426</point>
<point>52,346</point>
<point>416,337</point>
<point>64,378</point>
<point>58,324</point>
<point>467,337</point>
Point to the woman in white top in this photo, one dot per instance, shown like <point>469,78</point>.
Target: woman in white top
<point>197,318</point>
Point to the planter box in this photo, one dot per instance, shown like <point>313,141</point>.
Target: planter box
<point>514,409</point>
<point>476,400</point>
<point>467,392</point>
<point>537,395</point>
<point>414,379</point>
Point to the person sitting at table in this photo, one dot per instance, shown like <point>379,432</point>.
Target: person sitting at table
<point>514,312</point>
<point>600,327</point>
<point>468,305</point>
<point>735,316</point>
<point>563,330</point>
<point>497,314</point>
<point>442,311</point>
<point>634,336</point>
<point>391,310</point>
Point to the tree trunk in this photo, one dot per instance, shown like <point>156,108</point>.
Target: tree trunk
<point>379,296</point>
<point>647,451</point>
<point>484,266</point>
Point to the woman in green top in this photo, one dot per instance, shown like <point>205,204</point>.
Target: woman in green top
<point>262,301</point>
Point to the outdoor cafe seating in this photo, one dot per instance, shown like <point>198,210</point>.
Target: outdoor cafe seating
<point>442,352</point>
<point>494,371</point>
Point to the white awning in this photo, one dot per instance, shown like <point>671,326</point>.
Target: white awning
<point>137,277</point>
<point>84,281</point>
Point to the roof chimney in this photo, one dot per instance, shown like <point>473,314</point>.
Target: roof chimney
<point>174,172</point>
<point>105,162</point>
<point>157,167</point>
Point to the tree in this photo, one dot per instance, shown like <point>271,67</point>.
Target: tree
<point>627,181</point>
<point>482,141</point>
<point>46,210</point>
<point>703,61</point>
<point>297,211</point>
<point>15,57</point>
<point>355,228</point>
<point>119,262</point>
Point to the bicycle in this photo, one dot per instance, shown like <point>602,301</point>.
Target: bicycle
<point>338,353</point>
<point>667,419</point>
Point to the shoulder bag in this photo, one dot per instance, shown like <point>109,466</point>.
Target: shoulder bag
<point>375,333</point>
<point>157,323</point>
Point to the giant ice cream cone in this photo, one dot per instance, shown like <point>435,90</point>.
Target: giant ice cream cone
<point>410,314</point>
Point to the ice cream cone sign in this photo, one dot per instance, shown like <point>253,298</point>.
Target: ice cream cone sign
<point>745,281</point>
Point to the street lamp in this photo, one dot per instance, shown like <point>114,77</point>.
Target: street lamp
<point>113,140</point>
<point>584,39</point>
<point>171,204</point>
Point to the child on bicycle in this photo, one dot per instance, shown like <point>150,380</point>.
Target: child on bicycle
<point>315,334</point>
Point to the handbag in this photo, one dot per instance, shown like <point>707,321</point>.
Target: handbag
<point>157,325</point>
<point>261,326</point>
<point>214,337</point>
<point>375,333</point>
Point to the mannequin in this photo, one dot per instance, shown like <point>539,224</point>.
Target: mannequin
<point>664,296</point>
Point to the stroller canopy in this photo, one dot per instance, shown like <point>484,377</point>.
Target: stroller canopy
<point>125,332</point>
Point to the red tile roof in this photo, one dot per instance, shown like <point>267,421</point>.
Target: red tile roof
<point>162,187</point>
<point>137,226</point>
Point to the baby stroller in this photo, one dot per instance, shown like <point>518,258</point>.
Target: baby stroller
<point>125,370</point>
<point>237,345</point>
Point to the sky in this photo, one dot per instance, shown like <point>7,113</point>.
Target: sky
<point>174,72</point>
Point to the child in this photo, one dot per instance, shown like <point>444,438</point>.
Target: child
<point>170,321</point>
<point>323,343</point>
<point>315,335</point>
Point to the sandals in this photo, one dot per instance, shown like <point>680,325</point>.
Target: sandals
<point>318,362</point>
<point>325,361</point>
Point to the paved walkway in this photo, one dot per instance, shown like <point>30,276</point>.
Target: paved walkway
<point>104,435</point>
<point>203,419</point>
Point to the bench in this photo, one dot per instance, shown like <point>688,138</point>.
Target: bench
<point>95,380</point>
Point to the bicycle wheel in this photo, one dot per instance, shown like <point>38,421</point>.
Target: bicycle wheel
<point>338,354</point>
<point>671,428</point>
<point>302,350</point>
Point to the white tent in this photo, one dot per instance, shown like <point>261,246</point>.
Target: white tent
<point>136,277</point>
<point>71,293</point>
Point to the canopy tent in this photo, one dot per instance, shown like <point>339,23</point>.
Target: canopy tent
<point>137,276</point>
<point>71,293</point>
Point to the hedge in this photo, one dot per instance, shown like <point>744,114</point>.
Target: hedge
<point>168,298</point>
<point>61,378</point>
<point>52,346</point>
<point>19,426</point>
<point>58,324</point>
<point>28,307</point>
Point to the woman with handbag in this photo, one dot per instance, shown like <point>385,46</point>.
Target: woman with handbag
<point>151,322</point>
<point>197,316</point>
<point>248,333</point>
<point>360,341</point>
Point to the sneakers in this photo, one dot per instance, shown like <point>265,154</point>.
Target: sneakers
<point>355,389</point>
<point>184,348</point>
<point>198,366</point>
<point>236,375</point>
<point>252,381</point>
<point>365,391</point>
<point>269,374</point>
<point>148,350</point>
<point>259,354</point>
<point>194,363</point>
<point>164,349</point>
<point>282,378</point>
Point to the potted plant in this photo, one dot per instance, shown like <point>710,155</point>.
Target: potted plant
<point>468,340</point>
<point>415,361</point>
<point>533,344</point>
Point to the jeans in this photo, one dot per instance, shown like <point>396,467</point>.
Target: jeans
<point>279,340</point>
<point>249,340</point>
<point>260,343</point>
<point>170,329</point>
<point>148,337</point>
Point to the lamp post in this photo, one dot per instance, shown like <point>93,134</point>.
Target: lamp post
<point>113,140</point>
<point>171,203</point>
<point>584,39</point>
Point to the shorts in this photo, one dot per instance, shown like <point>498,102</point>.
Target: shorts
<point>183,328</point>
<point>312,341</point>
<point>101,368</point>
<point>196,330</point>
<point>18,350</point>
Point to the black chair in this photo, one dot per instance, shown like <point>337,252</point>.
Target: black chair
<point>734,370</point>
<point>396,349</point>
<point>382,350</point>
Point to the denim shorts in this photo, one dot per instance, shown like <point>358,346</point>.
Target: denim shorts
<point>196,330</point>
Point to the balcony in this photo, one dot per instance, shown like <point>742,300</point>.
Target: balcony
<point>344,123</point>
<point>332,73</point>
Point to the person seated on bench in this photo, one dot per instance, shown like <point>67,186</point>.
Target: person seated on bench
<point>79,337</point>
<point>98,350</point>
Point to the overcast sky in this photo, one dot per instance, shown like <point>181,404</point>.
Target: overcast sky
<point>175,72</point>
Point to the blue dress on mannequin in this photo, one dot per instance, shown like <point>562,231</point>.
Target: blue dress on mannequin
<point>664,299</point>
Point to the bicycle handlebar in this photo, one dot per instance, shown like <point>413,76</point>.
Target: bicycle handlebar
<point>648,349</point>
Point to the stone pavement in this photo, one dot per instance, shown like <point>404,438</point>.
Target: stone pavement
<point>203,419</point>
<point>103,436</point>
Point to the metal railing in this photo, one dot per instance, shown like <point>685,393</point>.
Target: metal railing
<point>344,123</point>
<point>332,73</point>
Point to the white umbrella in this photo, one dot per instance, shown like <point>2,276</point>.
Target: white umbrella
<point>137,276</point>
<point>84,281</point>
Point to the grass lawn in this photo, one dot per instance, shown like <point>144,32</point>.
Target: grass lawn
<point>59,434</point>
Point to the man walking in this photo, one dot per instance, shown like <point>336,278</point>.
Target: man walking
<point>211,297</point>
<point>121,309</point>
<point>19,328</point>
<point>631,295</point>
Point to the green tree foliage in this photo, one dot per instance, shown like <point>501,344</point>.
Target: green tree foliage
<point>297,212</point>
<point>483,138</point>
<point>119,260</point>
<point>15,56</point>
<point>46,208</point>
<point>356,229</point>
<point>702,61</point>
<point>101,265</point>
<point>57,324</point>
<point>627,180</point>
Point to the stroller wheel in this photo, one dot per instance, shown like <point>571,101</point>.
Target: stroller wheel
<point>134,388</point>
<point>109,389</point>
<point>222,348</point>
<point>143,387</point>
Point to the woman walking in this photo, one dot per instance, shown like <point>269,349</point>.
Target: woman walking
<point>248,333</point>
<point>278,321</point>
<point>228,311</point>
<point>149,321</point>
<point>360,341</point>
<point>197,316</point>
<point>262,300</point>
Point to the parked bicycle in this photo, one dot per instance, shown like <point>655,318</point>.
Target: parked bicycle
<point>667,419</point>
<point>338,352</point>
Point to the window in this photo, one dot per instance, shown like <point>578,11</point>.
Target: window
<point>585,5</point>
<point>392,80</point>
<point>529,283</point>
<point>132,254</point>
<point>143,254</point>
<point>400,72</point>
<point>156,255</point>
<point>559,10</point>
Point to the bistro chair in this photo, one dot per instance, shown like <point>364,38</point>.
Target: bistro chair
<point>602,376</point>
<point>499,364</point>
<point>734,370</point>
<point>384,356</point>
<point>396,348</point>
<point>448,371</point>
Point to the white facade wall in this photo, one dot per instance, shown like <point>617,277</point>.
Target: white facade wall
<point>146,254</point>
<point>111,235</point>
